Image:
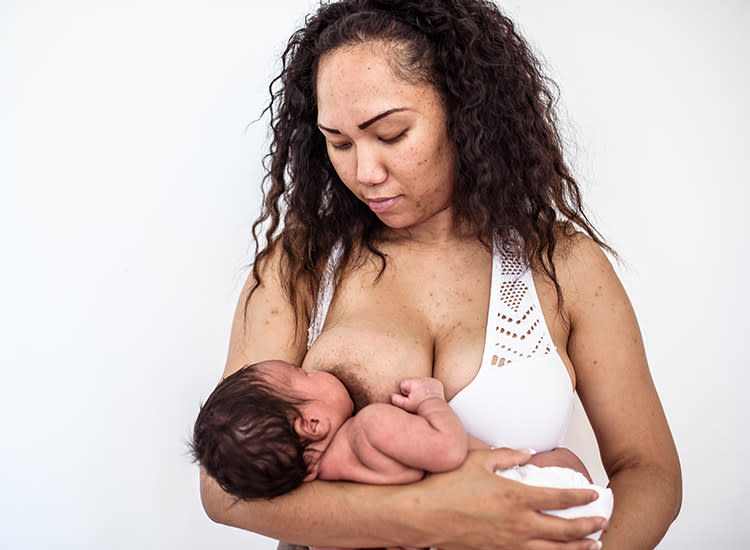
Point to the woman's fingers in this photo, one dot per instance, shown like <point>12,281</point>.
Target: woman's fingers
<point>491,512</point>
<point>586,544</point>
<point>546,531</point>
<point>552,528</point>
<point>538,498</point>
<point>544,498</point>
<point>499,459</point>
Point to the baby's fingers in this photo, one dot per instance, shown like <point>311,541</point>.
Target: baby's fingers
<point>406,386</point>
<point>400,401</point>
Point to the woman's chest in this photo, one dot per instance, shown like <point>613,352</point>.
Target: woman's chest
<point>424,316</point>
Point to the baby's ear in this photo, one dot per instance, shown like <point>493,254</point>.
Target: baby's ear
<point>310,428</point>
<point>312,471</point>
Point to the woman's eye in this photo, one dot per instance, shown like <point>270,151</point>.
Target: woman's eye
<point>340,146</point>
<point>394,139</point>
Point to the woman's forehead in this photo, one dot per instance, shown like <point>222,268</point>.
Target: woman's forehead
<point>347,72</point>
<point>357,83</point>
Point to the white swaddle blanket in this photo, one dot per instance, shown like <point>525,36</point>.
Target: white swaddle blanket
<point>564,478</point>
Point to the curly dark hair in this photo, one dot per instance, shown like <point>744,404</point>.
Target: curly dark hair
<point>244,437</point>
<point>512,184</point>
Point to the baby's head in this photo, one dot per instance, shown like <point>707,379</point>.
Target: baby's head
<point>262,430</point>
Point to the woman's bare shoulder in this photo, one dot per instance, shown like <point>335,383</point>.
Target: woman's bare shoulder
<point>266,324</point>
<point>575,251</point>
<point>583,269</point>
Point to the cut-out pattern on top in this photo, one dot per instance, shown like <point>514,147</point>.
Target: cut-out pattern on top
<point>517,329</point>
<point>522,395</point>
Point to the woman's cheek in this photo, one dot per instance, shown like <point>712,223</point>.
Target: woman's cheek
<point>342,168</point>
<point>415,160</point>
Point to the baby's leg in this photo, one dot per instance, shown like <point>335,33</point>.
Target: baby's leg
<point>561,457</point>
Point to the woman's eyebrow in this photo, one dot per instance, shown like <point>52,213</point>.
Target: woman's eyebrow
<point>381,115</point>
<point>367,122</point>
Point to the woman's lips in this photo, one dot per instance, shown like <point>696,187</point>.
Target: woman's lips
<point>381,205</point>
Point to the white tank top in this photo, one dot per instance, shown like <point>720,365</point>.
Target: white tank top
<point>522,395</point>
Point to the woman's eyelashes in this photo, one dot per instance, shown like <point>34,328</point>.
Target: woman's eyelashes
<point>393,139</point>
<point>340,146</point>
<point>346,145</point>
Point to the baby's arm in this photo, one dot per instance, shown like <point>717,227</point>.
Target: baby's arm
<point>421,432</point>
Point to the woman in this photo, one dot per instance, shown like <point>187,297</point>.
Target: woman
<point>422,221</point>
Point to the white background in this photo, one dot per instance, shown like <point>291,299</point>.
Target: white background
<point>129,177</point>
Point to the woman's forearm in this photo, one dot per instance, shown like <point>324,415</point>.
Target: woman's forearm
<point>467,508</point>
<point>317,513</point>
<point>647,500</point>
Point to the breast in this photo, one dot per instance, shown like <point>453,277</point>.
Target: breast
<point>524,404</point>
<point>371,358</point>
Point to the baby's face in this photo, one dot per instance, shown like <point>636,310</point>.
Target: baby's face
<point>324,394</point>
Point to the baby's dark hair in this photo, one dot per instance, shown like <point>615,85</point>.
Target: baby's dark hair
<point>244,437</point>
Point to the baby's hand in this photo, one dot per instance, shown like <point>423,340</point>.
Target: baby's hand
<point>416,390</point>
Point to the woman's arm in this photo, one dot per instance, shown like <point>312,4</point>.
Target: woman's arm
<point>266,328</point>
<point>484,511</point>
<point>619,397</point>
<point>467,508</point>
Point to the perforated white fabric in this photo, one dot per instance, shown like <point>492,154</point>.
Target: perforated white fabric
<point>522,395</point>
<point>515,325</point>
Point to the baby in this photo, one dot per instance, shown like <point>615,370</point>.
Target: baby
<point>271,426</point>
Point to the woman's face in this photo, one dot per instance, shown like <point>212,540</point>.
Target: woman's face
<point>386,138</point>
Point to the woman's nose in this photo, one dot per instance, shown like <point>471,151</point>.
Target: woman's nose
<point>370,167</point>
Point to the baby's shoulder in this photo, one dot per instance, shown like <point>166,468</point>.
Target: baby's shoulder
<point>376,410</point>
<point>376,416</point>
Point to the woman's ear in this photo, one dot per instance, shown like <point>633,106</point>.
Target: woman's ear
<point>310,427</point>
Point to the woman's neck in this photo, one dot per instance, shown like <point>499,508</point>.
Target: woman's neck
<point>439,231</point>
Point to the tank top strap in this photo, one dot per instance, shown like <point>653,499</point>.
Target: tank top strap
<point>325,295</point>
<point>515,325</point>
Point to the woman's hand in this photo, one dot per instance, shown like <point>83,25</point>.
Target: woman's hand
<point>471,508</point>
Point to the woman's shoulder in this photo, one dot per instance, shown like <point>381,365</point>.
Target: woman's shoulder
<point>583,270</point>
<point>574,255</point>
<point>577,253</point>
<point>275,267</point>
<point>266,324</point>
<point>266,267</point>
